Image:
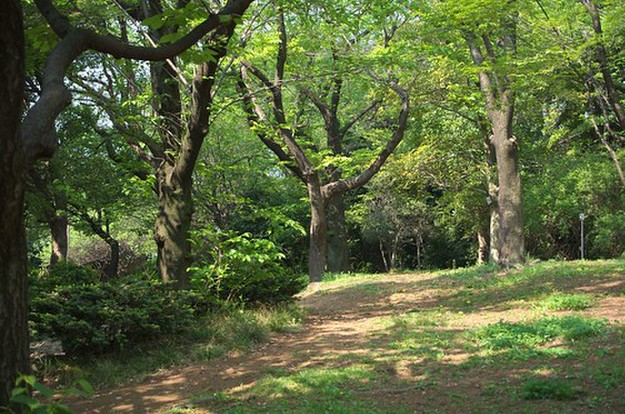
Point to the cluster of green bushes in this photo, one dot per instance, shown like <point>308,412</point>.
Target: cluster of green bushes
<point>243,268</point>
<point>92,315</point>
<point>86,314</point>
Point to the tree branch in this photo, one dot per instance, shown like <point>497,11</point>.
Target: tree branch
<point>255,116</point>
<point>363,178</point>
<point>359,116</point>
<point>38,125</point>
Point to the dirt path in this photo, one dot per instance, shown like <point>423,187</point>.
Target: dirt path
<point>335,325</point>
<point>341,322</point>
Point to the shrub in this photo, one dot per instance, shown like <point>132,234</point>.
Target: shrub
<point>86,315</point>
<point>242,267</point>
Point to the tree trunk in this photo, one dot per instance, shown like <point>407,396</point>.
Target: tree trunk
<point>394,250</point>
<point>59,230</point>
<point>338,250</point>
<point>511,240</point>
<point>383,254</point>
<point>493,207</point>
<point>171,230</point>
<point>318,230</point>
<point>482,244</point>
<point>14,341</point>
<point>499,99</point>
<point>493,240</point>
<point>419,243</point>
<point>112,268</point>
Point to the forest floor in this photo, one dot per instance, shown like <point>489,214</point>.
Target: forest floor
<point>546,338</point>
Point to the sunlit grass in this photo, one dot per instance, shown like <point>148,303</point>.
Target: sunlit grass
<point>532,359</point>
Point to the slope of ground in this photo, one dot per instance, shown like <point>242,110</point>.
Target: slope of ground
<point>545,338</point>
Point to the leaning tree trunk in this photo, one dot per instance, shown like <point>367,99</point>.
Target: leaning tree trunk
<point>318,230</point>
<point>337,250</point>
<point>171,230</point>
<point>14,341</point>
<point>511,240</point>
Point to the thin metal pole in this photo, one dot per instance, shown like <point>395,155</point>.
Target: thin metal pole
<point>581,218</point>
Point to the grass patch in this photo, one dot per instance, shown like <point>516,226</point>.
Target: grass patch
<point>549,389</point>
<point>507,335</point>
<point>230,330</point>
<point>313,390</point>
<point>564,302</point>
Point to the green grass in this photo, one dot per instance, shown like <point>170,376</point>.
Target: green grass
<point>549,388</point>
<point>431,353</point>
<point>313,390</point>
<point>564,302</point>
<point>231,330</point>
<point>507,335</point>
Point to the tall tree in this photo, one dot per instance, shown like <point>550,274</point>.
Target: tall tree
<point>22,144</point>
<point>488,48</point>
<point>180,127</point>
<point>14,342</point>
<point>321,188</point>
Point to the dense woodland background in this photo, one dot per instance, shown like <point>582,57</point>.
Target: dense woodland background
<point>303,137</point>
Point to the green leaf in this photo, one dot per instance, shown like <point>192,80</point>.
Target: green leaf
<point>43,390</point>
<point>25,400</point>
<point>155,22</point>
<point>86,386</point>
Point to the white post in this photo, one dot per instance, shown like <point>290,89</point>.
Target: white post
<point>581,248</point>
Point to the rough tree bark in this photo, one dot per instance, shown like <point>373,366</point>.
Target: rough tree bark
<point>337,249</point>
<point>14,339</point>
<point>488,228</point>
<point>318,230</point>
<point>58,224</point>
<point>59,231</point>
<point>500,109</point>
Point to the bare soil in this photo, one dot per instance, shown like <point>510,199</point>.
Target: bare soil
<point>346,321</point>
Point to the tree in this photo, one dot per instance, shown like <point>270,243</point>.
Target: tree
<point>489,30</point>
<point>22,144</point>
<point>321,187</point>
<point>181,127</point>
<point>13,273</point>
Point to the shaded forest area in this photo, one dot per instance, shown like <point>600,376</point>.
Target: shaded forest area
<point>162,160</point>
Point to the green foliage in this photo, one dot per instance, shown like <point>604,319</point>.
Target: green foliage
<point>549,388</point>
<point>32,397</point>
<point>239,266</point>
<point>508,335</point>
<point>563,302</point>
<point>225,329</point>
<point>90,316</point>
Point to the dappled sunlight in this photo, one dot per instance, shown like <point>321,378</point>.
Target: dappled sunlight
<point>412,342</point>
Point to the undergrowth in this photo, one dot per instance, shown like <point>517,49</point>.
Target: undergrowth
<point>232,329</point>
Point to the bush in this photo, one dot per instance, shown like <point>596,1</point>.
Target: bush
<point>90,316</point>
<point>243,268</point>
